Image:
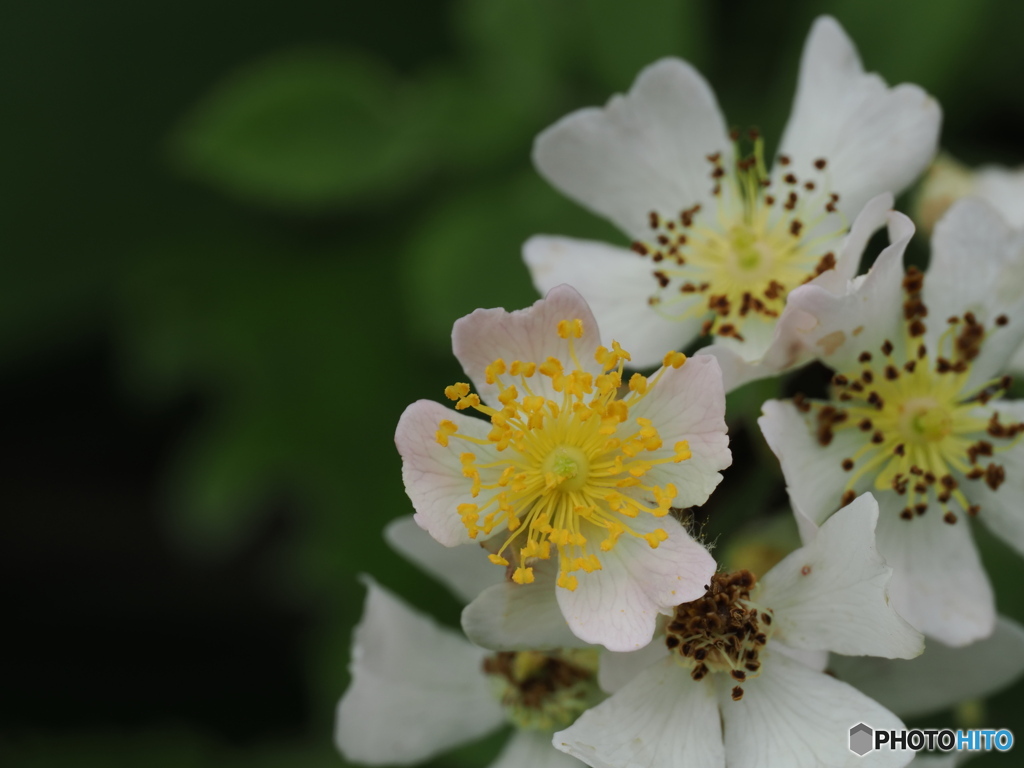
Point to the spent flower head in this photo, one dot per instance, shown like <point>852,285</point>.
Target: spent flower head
<point>737,678</point>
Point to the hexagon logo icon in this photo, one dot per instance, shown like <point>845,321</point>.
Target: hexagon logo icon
<point>861,739</point>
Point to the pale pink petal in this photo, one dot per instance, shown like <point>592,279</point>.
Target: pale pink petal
<point>662,719</point>
<point>432,473</point>
<point>645,151</point>
<point>875,138</point>
<point>530,335</point>
<point>616,284</point>
<point>618,606</point>
<point>832,593</point>
<point>687,403</point>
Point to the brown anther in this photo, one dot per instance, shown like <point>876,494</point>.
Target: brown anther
<point>949,518</point>
<point>820,163</point>
<point>848,497</point>
<point>847,464</point>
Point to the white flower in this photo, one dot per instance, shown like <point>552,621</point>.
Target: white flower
<point>914,413</point>
<point>721,240</point>
<point>419,689</point>
<point>569,466</point>
<point>949,180</point>
<point>738,679</point>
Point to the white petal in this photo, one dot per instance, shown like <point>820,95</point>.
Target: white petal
<point>466,571</point>
<point>645,151</point>
<point>511,617</point>
<point>787,347</point>
<point>688,403</point>
<point>432,473</point>
<point>867,313</point>
<point>938,582</point>
<point>874,138</point>
<point>1004,189</point>
<point>941,677</point>
<point>872,218</point>
<point>417,688</point>
<point>662,719</point>
<point>618,606</point>
<point>977,265</point>
<point>1001,510</point>
<point>791,716</point>
<point>617,669</point>
<point>814,478</point>
<point>832,593</point>
<point>530,335</point>
<point>616,284</point>
<point>816,660</point>
<point>532,749</point>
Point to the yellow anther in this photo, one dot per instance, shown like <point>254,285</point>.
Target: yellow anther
<point>533,404</point>
<point>552,367</point>
<point>508,395</point>
<point>619,352</point>
<point>674,360</point>
<point>638,384</point>
<point>567,581</point>
<point>567,328</point>
<point>467,458</point>
<point>497,559</point>
<point>682,449</point>
<point>655,537</point>
<point>455,391</point>
<point>469,401</point>
<point>614,531</point>
<point>494,370</point>
<point>445,430</point>
<point>538,549</point>
<point>523,575</point>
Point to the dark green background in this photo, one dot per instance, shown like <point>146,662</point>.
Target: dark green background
<point>235,237</point>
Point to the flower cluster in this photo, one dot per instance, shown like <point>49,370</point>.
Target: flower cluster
<point>557,494</point>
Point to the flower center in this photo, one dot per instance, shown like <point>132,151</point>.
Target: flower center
<point>921,430</point>
<point>924,420</point>
<point>572,473</point>
<point>739,261</point>
<point>724,631</point>
<point>545,691</point>
<point>570,467</point>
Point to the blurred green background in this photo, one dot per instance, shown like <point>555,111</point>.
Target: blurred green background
<point>235,239</point>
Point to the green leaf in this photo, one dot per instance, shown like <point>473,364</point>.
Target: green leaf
<point>468,253</point>
<point>620,38</point>
<point>308,130</point>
